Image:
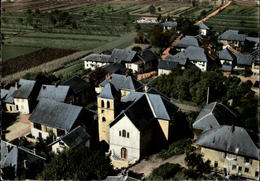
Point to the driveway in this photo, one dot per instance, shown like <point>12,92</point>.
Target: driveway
<point>17,130</point>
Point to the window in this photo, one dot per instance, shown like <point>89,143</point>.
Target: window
<point>124,133</point>
<point>60,132</point>
<point>247,170</point>
<point>102,111</point>
<point>102,103</point>
<point>225,155</point>
<point>119,133</point>
<point>103,119</point>
<point>247,160</point>
<point>234,167</point>
<point>37,126</point>
<point>127,135</point>
<point>11,109</point>
<point>239,168</point>
<point>108,104</point>
<point>256,174</point>
<point>216,164</point>
<point>123,153</point>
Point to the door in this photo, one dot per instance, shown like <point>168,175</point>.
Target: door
<point>123,153</point>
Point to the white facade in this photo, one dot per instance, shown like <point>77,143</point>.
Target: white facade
<point>61,145</point>
<point>132,66</point>
<point>22,105</point>
<point>203,32</point>
<point>162,71</point>
<point>93,65</point>
<point>131,141</point>
<point>226,62</point>
<point>36,133</point>
<point>201,65</point>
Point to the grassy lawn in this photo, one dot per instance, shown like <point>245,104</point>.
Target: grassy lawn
<point>9,52</point>
<point>245,18</point>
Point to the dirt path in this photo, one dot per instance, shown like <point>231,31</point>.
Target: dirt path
<point>146,167</point>
<point>17,130</point>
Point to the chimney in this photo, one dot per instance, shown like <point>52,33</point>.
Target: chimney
<point>34,151</point>
<point>16,85</point>
<point>232,128</point>
<point>56,84</point>
<point>146,88</point>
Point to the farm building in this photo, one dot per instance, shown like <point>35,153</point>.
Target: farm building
<point>203,29</point>
<point>187,41</point>
<point>232,37</point>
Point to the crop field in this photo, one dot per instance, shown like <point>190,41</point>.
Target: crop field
<point>244,18</point>
<point>199,12</point>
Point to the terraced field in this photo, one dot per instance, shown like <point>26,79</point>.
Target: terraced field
<point>199,12</point>
<point>244,18</point>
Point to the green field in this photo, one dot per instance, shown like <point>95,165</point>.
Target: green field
<point>197,13</point>
<point>244,18</point>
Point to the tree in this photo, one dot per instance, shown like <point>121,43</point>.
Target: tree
<point>195,161</point>
<point>8,173</point>
<point>41,77</point>
<point>137,49</point>
<point>152,9</point>
<point>187,26</point>
<point>78,164</point>
<point>165,171</point>
<point>137,27</point>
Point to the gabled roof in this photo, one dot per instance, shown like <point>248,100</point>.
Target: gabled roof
<point>170,24</point>
<point>77,84</point>
<point>244,59</point>
<point>226,68</point>
<point>55,114</point>
<point>122,82</point>
<point>121,55</point>
<point>4,93</point>
<point>148,56</point>
<point>214,115</point>
<point>25,90</point>
<point>9,96</point>
<point>14,155</point>
<point>203,26</point>
<point>196,54</point>
<point>109,92</point>
<point>187,41</point>
<point>232,35</point>
<point>167,65</point>
<point>58,93</point>
<point>139,113</point>
<point>180,57</point>
<point>97,58</point>
<point>161,107</point>
<point>226,54</point>
<point>74,138</point>
<point>115,68</point>
<point>231,139</point>
<point>253,39</point>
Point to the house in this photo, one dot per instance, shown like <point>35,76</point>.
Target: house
<point>19,158</point>
<point>149,60</point>
<point>94,61</point>
<point>187,41</point>
<point>256,62</point>
<point>255,40</point>
<point>81,91</point>
<point>226,57</point>
<point>198,57</point>
<point>59,93</point>
<point>232,37</point>
<point>124,83</point>
<point>169,25</point>
<point>115,68</point>
<point>76,137</point>
<point>243,61</point>
<point>231,151</point>
<point>166,67</point>
<point>56,117</point>
<point>24,96</point>
<point>7,100</point>
<point>203,29</point>
<point>145,123</point>
<point>120,178</point>
<point>214,115</point>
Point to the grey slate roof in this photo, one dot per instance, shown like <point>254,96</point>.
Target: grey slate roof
<point>161,107</point>
<point>170,24</point>
<point>214,115</point>
<point>115,68</point>
<point>109,92</point>
<point>167,65</point>
<point>232,35</point>
<point>231,139</point>
<point>121,55</point>
<point>9,96</point>
<point>77,84</point>
<point>58,93</point>
<point>25,90</point>
<point>55,114</point>
<point>180,57</point>
<point>253,39</point>
<point>226,68</point>
<point>187,41</point>
<point>120,178</point>
<point>226,54</point>
<point>4,92</point>
<point>203,26</point>
<point>148,56</point>
<point>196,54</point>
<point>14,155</point>
<point>244,59</point>
<point>122,82</point>
<point>75,137</point>
<point>97,58</point>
